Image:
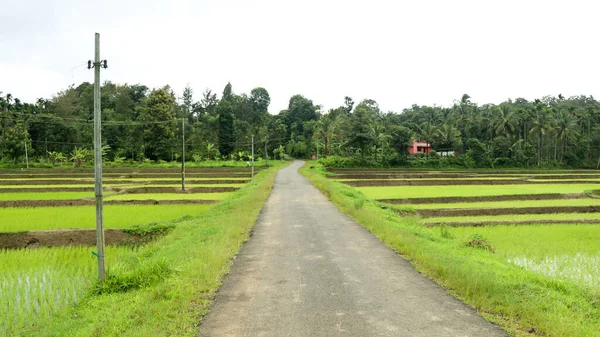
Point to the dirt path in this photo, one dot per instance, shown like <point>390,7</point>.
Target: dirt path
<point>308,270</point>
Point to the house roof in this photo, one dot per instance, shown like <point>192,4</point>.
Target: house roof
<point>421,144</point>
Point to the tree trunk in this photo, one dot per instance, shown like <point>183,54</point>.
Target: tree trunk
<point>556,148</point>
<point>539,148</point>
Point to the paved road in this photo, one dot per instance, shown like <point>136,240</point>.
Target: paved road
<point>309,270</point>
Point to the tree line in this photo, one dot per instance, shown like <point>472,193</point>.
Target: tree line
<point>140,124</point>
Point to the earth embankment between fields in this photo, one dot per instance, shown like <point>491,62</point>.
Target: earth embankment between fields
<point>511,223</point>
<point>450,212</point>
<point>90,202</point>
<point>63,237</point>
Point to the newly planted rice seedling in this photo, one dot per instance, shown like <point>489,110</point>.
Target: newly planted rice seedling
<point>170,196</point>
<point>47,196</point>
<point>115,216</point>
<point>567,252</point>
<point>398,192</point>
<point>37,283</point>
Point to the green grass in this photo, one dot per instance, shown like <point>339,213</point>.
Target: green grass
<point>37,283</point>
<point>199,252</point>
<point>170,196</point>
<point>507,204</point>
<point>47,195</point>
<point>14,219</point>
<point>399,192</point>
<point>518,217</point>
<point>566,252</point>
<point>516,298</point>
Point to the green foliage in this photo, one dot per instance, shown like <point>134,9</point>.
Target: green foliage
<point>347,162</point>
<point>158,116</point>
<point>150,231</point>
<point>446,233</point>
<point>478,241</point>
<point>132,274</point>
<point>139,124</point>
<point>13,141</point>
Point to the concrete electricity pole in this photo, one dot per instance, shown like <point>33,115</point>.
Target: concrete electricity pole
<point>97,64</point>
<point>183,153</point>
<point>252,158</point>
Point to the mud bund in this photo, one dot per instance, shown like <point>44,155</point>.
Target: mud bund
<point>432,213</point>
<point>515,197</point>
<point>90,202</point>
<point>63,237</point>
<point>512,223</point>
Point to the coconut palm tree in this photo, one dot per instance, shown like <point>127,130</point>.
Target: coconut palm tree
<point>541,125</point>
<point>504,120</point>
<point>565,129</point>
<point>379,136</point>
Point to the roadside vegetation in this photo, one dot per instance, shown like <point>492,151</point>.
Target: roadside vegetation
<point>167,284</point>
<point>515,276</point>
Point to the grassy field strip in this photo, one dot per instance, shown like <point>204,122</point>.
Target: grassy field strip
<point>507,204</point>
<point>36,283</point>
<point>566,252</point>
<point>48,196</point>
<point>399,192</point>
<point>14,219</point>
<point>517,217</point>
<point>170,196</point>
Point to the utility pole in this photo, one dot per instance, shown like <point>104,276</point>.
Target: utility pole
<point>26,156</point>
<point>98,160</point>
<point>252,158</point>
<point>183,153</point>
<point>317,151</point>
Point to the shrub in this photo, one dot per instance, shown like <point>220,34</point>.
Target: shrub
<point>480,242</point>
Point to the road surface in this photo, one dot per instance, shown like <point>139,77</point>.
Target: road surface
<point>309,270</point>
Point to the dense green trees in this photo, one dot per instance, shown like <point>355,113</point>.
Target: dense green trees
<point>139,124</point>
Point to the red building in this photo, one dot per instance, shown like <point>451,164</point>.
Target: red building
<point>419,147</point>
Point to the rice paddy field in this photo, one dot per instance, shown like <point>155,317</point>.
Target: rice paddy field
<point>36,283</point>
<point>547,222</point>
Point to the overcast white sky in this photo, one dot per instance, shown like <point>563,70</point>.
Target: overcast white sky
<point>396,52</point>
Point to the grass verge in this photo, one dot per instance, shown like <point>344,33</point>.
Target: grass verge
<point>523,302</point>
<point>185,269</point>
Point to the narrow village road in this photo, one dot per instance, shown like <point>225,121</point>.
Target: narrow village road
<point>309,270</point>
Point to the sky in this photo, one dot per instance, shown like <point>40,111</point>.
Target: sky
<point>398,53</point>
